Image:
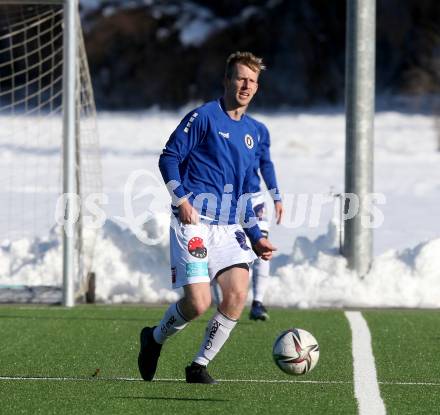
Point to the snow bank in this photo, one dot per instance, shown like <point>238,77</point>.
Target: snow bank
<point>317,276</point>
<point>313,275</point>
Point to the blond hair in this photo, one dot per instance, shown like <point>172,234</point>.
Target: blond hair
<point>245,58</point>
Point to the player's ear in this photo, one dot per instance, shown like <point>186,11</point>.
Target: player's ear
<point>256,81</point>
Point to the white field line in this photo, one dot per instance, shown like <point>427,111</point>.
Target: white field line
<point>124,379</point>
<point>366,387</point>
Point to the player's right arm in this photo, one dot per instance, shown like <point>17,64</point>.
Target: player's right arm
<point>187,214</point>
<point>183,140</point>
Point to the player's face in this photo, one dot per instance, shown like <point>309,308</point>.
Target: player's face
<point>242,86</point>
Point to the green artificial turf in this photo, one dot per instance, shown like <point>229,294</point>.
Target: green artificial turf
<point>85,362</point>
<point>406,347</point>
<point>74,343</point>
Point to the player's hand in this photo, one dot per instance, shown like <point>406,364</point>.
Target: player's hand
<point>279,210</point>
<point>187,214</point>
<point>264,249</point>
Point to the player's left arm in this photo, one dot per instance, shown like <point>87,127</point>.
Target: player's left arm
<point>261,245</point>
<point>267,171</point>
<point>264,249</point>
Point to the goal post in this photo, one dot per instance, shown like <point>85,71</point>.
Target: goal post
<point>69,141</point>
<point>48,110</point>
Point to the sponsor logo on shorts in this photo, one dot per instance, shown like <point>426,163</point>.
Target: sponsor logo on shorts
<point>241,239</point>
<point>259,211</point>
<point>197,269</point>
<point>249,141</point>
<point>196,247</point>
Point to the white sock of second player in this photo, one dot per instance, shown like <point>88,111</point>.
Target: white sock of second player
<point>260,279</point>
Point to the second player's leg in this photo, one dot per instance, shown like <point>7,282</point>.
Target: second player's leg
<point>260,281</point>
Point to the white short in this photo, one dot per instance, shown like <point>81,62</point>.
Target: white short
<point>199,252</point>
<point>259,206</point>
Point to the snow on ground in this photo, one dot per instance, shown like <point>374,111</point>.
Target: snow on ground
<point>308,151</point>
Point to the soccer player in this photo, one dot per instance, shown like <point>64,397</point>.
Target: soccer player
<point>207,165</point>
<point>264,166</point>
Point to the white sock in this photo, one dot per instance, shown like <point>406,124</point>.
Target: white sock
<point>217,332</point>
<point>172,322</point>
<point>260,279</point>
<point>217,292</point>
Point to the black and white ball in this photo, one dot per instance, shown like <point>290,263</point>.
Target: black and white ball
<point>296,351</point>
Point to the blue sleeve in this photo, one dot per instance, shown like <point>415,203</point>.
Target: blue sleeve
<point>186,136</point>
<point>252,229</point>
<point>266,165</point>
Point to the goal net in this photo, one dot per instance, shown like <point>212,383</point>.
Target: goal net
<point>31,148</point>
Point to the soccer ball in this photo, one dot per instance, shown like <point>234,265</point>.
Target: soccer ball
<point>296,351</point>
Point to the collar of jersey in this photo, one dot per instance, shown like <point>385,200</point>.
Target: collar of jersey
<point>221,105</point>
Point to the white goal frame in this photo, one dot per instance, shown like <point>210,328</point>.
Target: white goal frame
<point>70,69</point>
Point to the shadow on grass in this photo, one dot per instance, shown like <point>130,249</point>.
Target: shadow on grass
<point>33,317</point>
<point>147,398</point>
<point>202,320</point>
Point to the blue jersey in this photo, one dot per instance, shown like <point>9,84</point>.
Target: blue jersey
<point>210,157</point>
<point>263,164</point>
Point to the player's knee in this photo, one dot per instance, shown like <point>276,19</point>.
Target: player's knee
<point>200,307</point>
<point>196,306</point>
<point>235,298</point>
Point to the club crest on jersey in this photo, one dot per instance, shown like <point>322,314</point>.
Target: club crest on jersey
<point>196,247</point>
<point>249,141</point>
